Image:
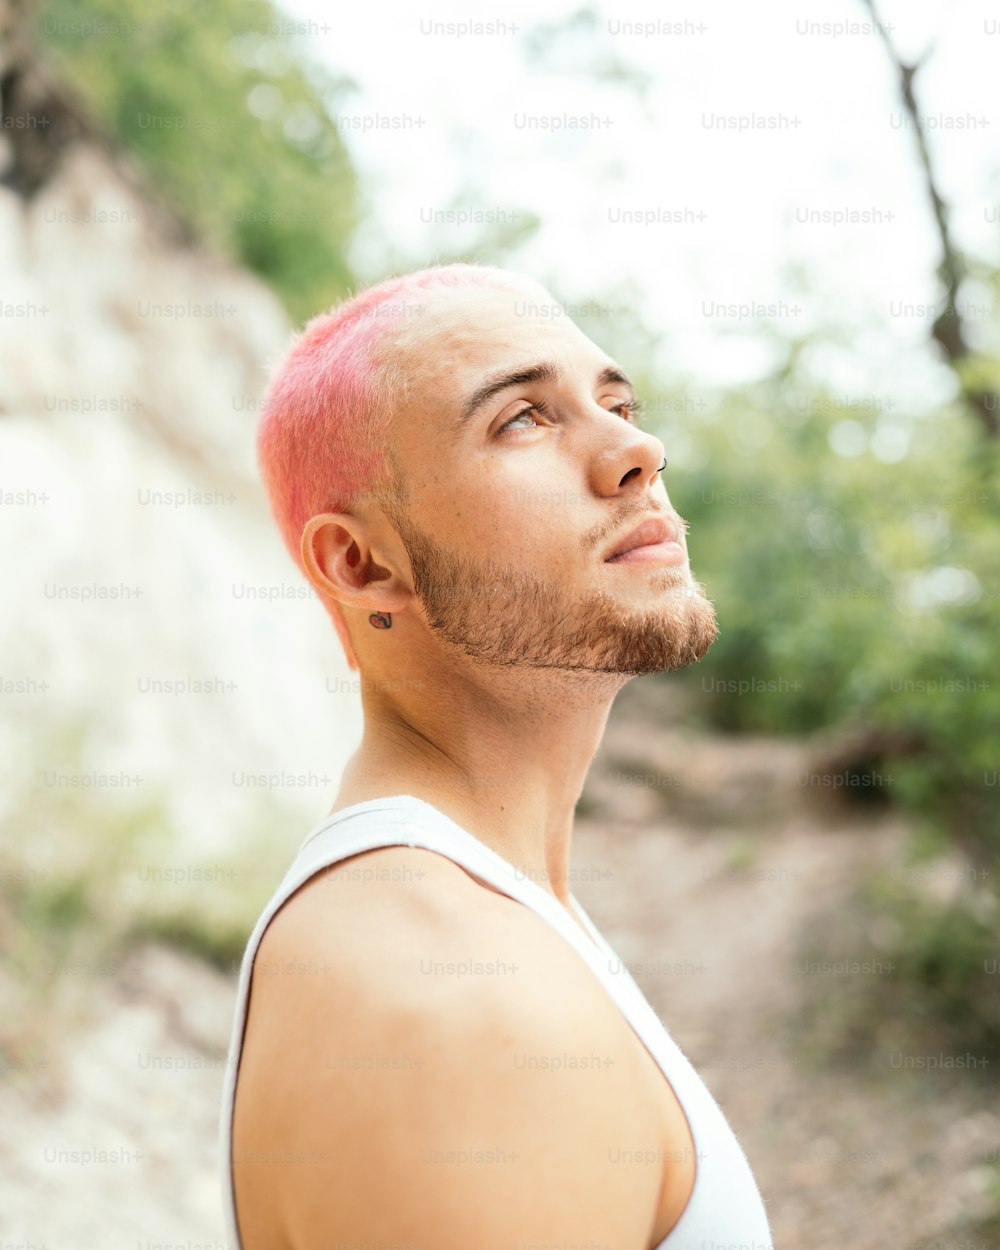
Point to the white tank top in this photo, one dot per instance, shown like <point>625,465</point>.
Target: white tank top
<point>725,1207</point>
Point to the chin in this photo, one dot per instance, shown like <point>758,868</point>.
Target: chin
<point>678,632</point>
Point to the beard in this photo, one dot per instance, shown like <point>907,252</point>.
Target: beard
<point>500,615</point>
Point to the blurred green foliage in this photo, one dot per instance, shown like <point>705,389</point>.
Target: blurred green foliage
<point>853,591</point>
<point>852,551</point>
<point>929,942</point>
<point>231,121</point>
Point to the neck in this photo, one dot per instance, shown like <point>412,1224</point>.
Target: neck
<point>503,752</point>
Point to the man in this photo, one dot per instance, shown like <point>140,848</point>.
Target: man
<point>460,473</point>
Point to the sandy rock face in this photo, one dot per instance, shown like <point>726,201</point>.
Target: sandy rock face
<point>164,615</point>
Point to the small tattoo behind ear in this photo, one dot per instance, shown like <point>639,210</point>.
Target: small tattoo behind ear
<point>381,620</point>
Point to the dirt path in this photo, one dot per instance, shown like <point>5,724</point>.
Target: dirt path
<point>719,866</point>
<point>702,875</point>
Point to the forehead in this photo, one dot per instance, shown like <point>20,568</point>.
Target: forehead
<point>461,334</point>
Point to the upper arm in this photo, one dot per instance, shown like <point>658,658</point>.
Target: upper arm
<point>446,1103</point>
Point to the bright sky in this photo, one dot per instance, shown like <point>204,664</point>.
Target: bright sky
<point>716,212</point>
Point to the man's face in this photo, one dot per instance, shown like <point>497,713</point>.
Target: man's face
<point>512,509</point>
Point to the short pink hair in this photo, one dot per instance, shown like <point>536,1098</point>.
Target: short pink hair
<point>323,437</point>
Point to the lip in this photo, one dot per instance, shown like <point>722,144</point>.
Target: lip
<point>656,538</point>
<point>652,553</point>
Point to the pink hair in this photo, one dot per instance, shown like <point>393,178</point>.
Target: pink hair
<point>323,435</point>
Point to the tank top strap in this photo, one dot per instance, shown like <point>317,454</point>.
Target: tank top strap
<point>408,821</point>
<point>405,820</point>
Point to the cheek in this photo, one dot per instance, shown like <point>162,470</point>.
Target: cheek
<point>517,510</point>
<point>538,530</point>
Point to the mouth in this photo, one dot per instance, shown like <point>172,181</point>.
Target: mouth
<point>655,540</point>
<point>651,553</point>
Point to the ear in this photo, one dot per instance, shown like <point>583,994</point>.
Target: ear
<point>346,561</point>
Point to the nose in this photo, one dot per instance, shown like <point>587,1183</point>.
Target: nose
<point>634,466</point>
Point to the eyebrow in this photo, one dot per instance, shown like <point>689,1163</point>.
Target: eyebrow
<point>544,371</point>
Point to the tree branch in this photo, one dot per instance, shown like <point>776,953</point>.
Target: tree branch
<point>948,329</point>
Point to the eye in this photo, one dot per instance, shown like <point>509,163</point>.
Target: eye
<point>525,412</point>
<point>629,408</point>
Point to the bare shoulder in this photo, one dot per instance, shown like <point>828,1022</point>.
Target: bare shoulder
<point>364,920</point>
<point>427,1060</point>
